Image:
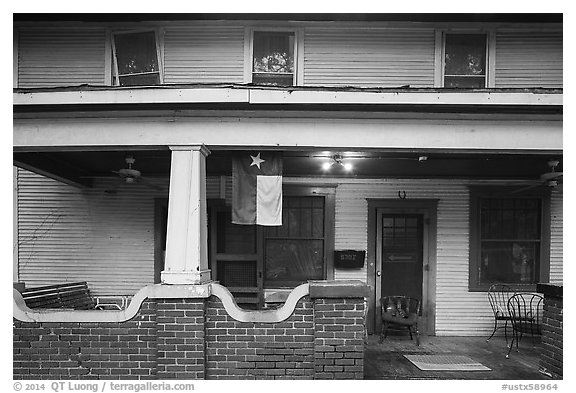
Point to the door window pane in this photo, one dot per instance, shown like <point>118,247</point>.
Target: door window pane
<point>401,240</point>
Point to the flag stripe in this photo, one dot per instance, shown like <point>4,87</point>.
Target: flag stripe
<point>269,200</point>
<point>244,197</point>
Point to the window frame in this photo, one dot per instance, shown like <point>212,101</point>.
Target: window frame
<point>159,53</point>
<point>482,192</point>
<point>329,219</point>
<point>329,194</point>
<point>297,79</point>
<point>440,55</point>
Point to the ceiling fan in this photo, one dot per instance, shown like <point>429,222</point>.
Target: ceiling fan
<point>130,175</point>
<point>551,179</point>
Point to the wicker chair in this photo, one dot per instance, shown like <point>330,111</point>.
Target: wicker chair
<point>525,311</point>
<point>498,295</point>
<point>400,312</point>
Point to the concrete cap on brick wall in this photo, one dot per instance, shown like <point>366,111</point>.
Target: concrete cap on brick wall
<point>550,290</point>
<point>338,289</point>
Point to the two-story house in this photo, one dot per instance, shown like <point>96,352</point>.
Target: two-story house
<point>432,145</point>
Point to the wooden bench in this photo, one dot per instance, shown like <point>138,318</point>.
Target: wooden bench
<point>70,295</point>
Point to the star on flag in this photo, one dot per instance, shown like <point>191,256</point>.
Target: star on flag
<point>256,160</point>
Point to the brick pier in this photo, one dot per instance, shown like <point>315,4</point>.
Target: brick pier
<point>551,357</point>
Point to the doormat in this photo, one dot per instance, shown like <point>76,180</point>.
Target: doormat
<point>445,363</point>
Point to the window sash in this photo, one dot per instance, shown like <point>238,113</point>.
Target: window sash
<point>517,212</point>
<point>291,65</point>
<point>139,73</point>
<point>156,63</point>
<point>481,76</point>
<point>302,226</point>
<point>478,243</point>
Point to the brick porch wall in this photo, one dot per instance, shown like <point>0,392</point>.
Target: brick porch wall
<point>64,350</point>
<point>196,338</point>
<point>246,350</point>
<point>551,356</point>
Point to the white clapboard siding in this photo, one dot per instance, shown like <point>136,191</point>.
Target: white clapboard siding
<point>368,57</point>
<point>556,238</point>
<point>452,242</point>
<point>61,57</point>
<point>529,59</point>
<point>458,311</point>
<point>204,54</point>
<point>107,239</point>
<point>67,234</point>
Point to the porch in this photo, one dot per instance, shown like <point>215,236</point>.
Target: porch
<point>387,361</point>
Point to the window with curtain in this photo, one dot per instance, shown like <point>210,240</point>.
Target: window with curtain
<point>273,58</point>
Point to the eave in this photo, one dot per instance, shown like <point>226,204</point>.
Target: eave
<point>322,17</point>
<point>245,96</point>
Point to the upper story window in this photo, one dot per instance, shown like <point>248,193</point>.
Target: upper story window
<point>136,59</point>
<point>465,60</point>
<point>273,58</point>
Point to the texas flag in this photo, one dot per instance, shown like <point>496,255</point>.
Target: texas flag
<point>257,188</point>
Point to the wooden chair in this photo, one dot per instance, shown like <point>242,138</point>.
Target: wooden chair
<point>400,312</point>
<point>525,311</point>
<point>498,295</point>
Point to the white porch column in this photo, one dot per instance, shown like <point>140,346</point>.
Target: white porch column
<point>187,234</point>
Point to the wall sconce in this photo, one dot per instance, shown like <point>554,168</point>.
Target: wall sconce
<point>337,159</point>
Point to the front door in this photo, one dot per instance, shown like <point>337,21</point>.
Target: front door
<point>400,259</point>
<point>400,254</point>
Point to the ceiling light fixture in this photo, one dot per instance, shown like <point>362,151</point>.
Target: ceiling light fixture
<point>338,160</point>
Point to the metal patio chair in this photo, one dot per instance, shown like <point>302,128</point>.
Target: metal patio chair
<point>525,311</point>
<point>399,312</point>
<point>365,320</point>
<point>498,295</point>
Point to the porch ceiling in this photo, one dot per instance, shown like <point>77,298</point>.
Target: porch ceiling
<point>79,167</point>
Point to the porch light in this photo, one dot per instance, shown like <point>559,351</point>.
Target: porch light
<point>337,159</point>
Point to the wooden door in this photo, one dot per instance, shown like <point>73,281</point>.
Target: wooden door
<point>400,254</point>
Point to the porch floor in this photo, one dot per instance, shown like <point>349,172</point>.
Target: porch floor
<point>386,360</point>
